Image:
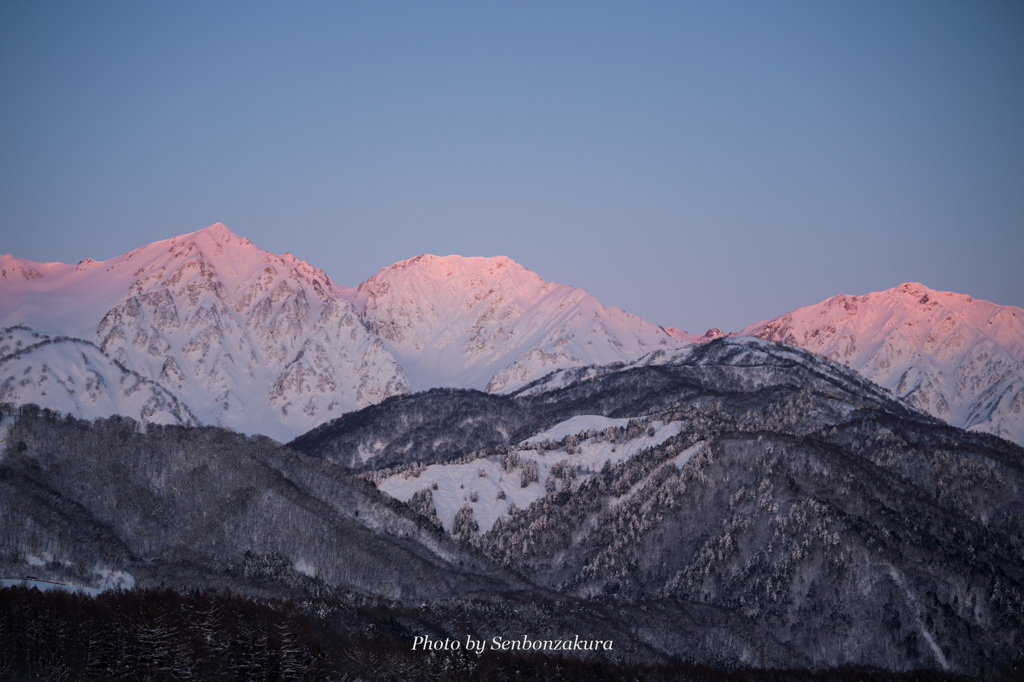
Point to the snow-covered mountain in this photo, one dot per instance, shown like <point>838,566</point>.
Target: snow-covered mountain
<point>709,335</point>
<point>207,328</point>
<point>955,357</point>
<point>489,323</point>
<point>253,341</point>
<point>755,477</point>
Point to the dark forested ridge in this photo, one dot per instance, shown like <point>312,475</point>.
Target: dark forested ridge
<point>189,505</point>
<point>796,518</point>
<point>445,424</point>
<point>167,635</point>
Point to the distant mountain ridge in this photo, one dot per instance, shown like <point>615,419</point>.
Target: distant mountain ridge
<point>955,357</point>
<point>208,328</point>
<point>264,343</point>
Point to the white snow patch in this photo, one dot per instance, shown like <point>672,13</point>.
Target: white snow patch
<point>305,568</point>
<point>114,580</point>
<point>683,457</point>
<point>46,585</point>
<point>917,616</point>
<point>574,426</point>
<point>485,477</point>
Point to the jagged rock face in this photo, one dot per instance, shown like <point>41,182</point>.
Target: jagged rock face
<point>955,357</point>
<point>249,340</point>
<point>263,323</point>
<point>489,323</point>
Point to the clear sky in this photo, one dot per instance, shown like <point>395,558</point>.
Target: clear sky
<point>695,163</point>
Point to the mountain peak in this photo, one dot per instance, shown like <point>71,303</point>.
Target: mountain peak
<point>234,259</point>
<point>960,359</point>
<point>217,236</point>
<point>489,322</point>
<point>461,267</point>
<point>217,230</point>
<point>919,293</point>
<point>454,283</point>
<point>913,289</point>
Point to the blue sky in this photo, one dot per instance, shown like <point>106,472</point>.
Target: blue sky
<point>695,163</point>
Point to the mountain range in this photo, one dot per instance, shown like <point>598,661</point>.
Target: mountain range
<point>206,328</point>
<point>458,449</point>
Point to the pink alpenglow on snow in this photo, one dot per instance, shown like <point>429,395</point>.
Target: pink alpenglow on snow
<point>490,323</point>
<point>207,328</point>
<point>958,358</point>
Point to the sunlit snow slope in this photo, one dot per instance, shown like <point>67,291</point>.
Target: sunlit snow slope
<point>207,328</point>
<point>955,357</point>
<point>249,340</point>
<point>489,323</point>
<point>492,486</point>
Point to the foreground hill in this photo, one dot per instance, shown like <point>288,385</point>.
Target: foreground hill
<point>752,477</point>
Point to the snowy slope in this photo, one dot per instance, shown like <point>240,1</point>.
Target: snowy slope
<point>253,341</point>
<point>955,357</point>
<point>709,335</point>
<point>74,376</point>
<point>489,323</point>
<point>489,486</point>
<point>263,343</point>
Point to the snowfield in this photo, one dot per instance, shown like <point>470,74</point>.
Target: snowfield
<point>485,479</point>
<point>222,333</point>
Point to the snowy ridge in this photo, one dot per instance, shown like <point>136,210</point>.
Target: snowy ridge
<point>489,323</point>
<point>208,328</point>
<point>709,335</point>
<point>74,376</point>
<point>253,341</point>
<point>265,343</point>
<point>955,357</point>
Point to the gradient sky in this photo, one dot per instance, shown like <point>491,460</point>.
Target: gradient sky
<point>695,163</point>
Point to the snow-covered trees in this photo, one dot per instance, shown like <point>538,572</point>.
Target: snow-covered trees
<point>529,474</point>
<point>465,526</point>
